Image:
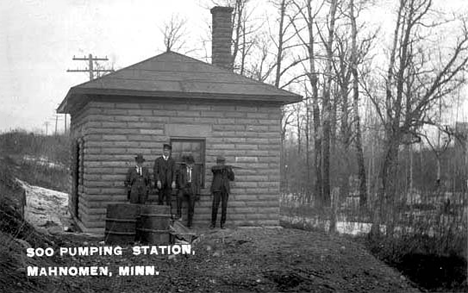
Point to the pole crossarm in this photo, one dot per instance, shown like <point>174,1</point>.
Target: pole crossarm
<point>90,68</point>
<point>90,58</point>
<point>87,70</point>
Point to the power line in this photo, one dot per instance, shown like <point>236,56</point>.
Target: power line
<point>90,68</point>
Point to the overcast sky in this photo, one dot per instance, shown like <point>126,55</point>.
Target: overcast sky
<point>38,39</point>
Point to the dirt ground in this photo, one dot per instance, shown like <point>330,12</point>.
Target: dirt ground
<point>231,260</point>
<point>241,260</point>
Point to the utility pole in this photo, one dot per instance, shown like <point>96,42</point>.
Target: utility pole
<point>90,68</point>
<point>57,118</point>
<point>47,123</point>
<point>56,121</point>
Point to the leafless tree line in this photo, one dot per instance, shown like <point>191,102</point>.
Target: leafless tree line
<point>325,50</point>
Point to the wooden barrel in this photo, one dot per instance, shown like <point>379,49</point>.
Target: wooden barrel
<point>154,226</point>
<point>121,223</point>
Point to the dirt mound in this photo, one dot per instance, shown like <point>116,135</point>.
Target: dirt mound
<point>250,260</point>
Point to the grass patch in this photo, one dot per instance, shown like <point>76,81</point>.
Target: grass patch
<point>434,263</point>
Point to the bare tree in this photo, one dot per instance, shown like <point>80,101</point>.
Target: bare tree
<point>101,70</point>
<point>327,111</point>
<point>281,33</point>
<point>174,31</point>
<point>342,72</point>
<point>357,122</point>
<point>419,74</point>
<point>309,16</point>
<point>444,137</point>
<point>282,41</point>
<point>298,110</point>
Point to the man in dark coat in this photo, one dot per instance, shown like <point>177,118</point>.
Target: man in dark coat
<point>164,175</point>
<point>188,182</point>
<point>220,189</point>
<point>138,182</point>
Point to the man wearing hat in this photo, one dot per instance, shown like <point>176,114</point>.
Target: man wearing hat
<point>138,182</point>
<point>220,189</point>
<point>164,175</point>
<point>188,182</point>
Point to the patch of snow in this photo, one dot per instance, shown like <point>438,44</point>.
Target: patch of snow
<point>43,161</point>
<point>46,208</point>
<point>350,228</point>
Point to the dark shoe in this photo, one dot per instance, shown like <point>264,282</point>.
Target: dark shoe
<point>189,224</point>
<point>212,226</point>
<point>222,226</point>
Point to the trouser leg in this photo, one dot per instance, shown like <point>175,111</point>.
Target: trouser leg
<point>167,195</point>
<point>141,198</point>
<point>214,207</point>
<point>225,197</point>
<point>180,197</point>
<point>160,197</point>
<point>142,195</point>
<point>133,197</point>
<point>191,208</point>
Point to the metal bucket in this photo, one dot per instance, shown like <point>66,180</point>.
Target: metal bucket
<point>121,223</point>
<point>154,224</point>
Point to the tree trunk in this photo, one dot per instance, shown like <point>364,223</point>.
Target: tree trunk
<point>357,122</point>
<point>391,187</point>
<point>313,78</point>
<point>279,56</point>
<point>307,151</point>
<point>327,111</point>
<point>438,171</point>
<point>298,125</point>
<point>391,127</point>
<point>344,167</point>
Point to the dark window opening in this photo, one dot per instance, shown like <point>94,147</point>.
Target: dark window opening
<point>77,174</point>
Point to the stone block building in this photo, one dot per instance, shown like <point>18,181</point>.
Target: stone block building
<point>201,108</point>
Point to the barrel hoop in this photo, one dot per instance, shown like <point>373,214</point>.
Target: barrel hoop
<point>151,230</point>
<point>156,215</point>
<point>120,233</point>
<point>121,220</point>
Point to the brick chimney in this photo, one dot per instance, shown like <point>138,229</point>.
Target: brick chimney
<point>221,37</point>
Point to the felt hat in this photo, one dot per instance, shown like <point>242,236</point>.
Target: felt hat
<point>220,159</point>
<point>167,146</point>
<point>189,159</point>
<point>139,158</point>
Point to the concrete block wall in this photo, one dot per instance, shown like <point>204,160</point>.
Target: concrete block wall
<point>78,124</point>
<point>248,136</point>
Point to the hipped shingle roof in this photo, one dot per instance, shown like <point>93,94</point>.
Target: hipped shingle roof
<point>173,75</point>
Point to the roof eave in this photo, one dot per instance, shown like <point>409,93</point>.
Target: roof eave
<point>63,107</point>
<point>282,99</point>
